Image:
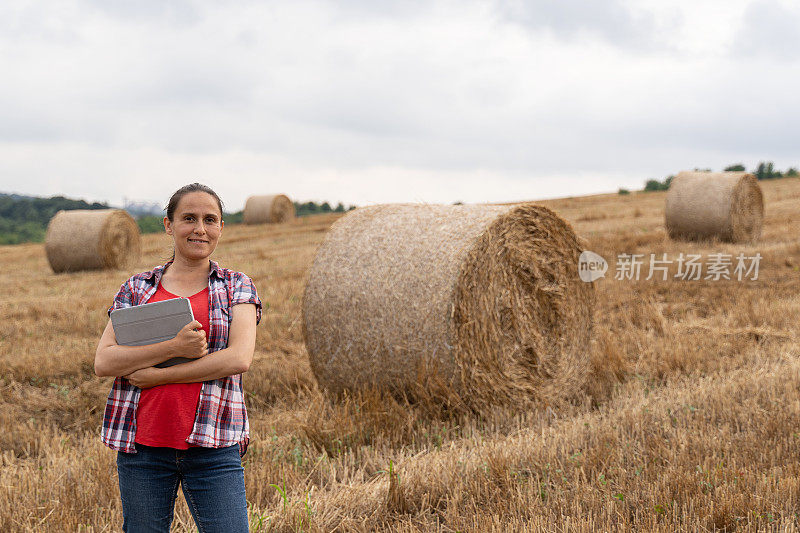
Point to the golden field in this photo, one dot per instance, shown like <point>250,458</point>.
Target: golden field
<point>690,420</point>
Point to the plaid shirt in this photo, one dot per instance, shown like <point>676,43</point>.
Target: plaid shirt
<point>221,418</point>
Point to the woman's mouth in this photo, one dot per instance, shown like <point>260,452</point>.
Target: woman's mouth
<point>198,241</point>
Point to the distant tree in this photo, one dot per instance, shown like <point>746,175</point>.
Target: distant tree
<point>791,172</point>
<point>307,208</point>
<point>655,185</point>
<point>233,218</point>
<point>15,232</point>
<point>761,171</point>
<point>766,171</point>
<point>624,192</point>
<point>40,210</point>
<point>652,185</point>
<point>150,224</point>
<point>25,218</point>
<point>313,208</point>
<point>738,167</point>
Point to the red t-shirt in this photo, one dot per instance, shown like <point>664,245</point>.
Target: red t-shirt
<point>166,413</point>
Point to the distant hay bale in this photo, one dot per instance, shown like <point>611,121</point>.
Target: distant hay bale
<point>273,208</point>
<point>92,239</point>
<point>483,303</point>
<point>724,205</point>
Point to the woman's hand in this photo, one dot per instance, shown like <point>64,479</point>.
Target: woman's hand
<point>229,361</point>
<point>146,378</point>
<point>191,341</point>
<point>112,359</point>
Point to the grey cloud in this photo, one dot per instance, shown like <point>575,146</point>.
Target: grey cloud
<point>565,134</point>
<point>568,19</point>
<point>394,9</point>
<point>338,103</point>
<point>22,24</point>
<point>187,12</point>
<point>26,125</point>
<point>769,29</point>
<point>176,12</point>
<point>189,85</point>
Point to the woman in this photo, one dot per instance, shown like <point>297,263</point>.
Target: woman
<point>184,424</point>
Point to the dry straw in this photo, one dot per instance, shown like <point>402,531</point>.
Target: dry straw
<point>273,208</point>
<point>728,206</point>
<point>92,239</point>
<point>481,304</point>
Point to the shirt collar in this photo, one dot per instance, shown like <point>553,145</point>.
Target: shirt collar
<point>215,269</point>
<point>158,271</point>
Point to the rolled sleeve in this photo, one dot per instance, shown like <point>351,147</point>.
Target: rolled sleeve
<point>244,292</point>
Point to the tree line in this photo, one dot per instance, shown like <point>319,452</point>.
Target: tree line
<point>25,218</point>
<point>765,170</point>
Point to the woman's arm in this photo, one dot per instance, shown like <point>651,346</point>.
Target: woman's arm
<point>112,359</point>
<point>235,359</point>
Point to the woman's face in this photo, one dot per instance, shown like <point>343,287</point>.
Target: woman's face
<point>196,225</point>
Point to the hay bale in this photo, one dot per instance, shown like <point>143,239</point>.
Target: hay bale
<point>273,209</point>
<point>728,206</point>
<point>482,302</point>
<point>92,239</point>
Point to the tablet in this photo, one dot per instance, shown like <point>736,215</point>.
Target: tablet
<point>151,323</point>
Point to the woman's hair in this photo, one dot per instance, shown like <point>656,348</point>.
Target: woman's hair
<point>180,193</point>
<point>186,189</point>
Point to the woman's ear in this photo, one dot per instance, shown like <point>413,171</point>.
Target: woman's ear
<point>167,226</point>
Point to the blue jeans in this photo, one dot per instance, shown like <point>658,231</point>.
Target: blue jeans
<point>212,480</point>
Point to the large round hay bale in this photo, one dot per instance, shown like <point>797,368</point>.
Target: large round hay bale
<point>274,208</point>
<point>482,302</point>
<point>728,206</point>
<point>92,239</point>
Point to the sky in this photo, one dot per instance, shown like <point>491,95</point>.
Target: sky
<point>363,102</point>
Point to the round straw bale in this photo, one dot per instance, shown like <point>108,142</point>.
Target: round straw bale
<point>483,303</point>
<point>728,206</point>
<point>92,239</point>
<point>268,209</point>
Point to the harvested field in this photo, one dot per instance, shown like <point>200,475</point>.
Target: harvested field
<point>689,420</point>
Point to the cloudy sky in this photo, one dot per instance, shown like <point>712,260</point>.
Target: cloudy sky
<point>362,101</point>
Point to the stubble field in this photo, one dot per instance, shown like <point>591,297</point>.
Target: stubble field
<point>690,419</point>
